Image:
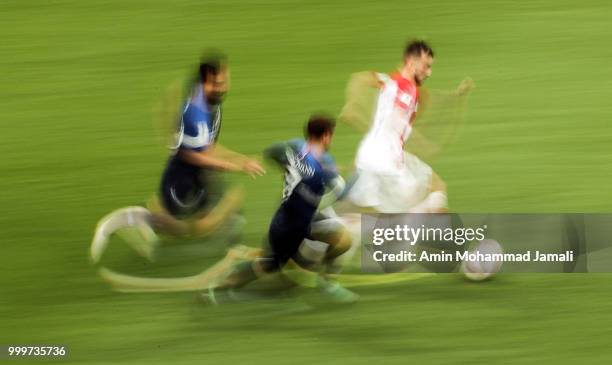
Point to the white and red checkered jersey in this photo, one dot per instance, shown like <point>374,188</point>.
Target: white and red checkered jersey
<point>382,149</point>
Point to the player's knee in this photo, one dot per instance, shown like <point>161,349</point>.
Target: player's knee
<point>310,253</point>
<point>340,244</point>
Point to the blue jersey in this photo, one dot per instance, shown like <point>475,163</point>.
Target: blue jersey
<point>183,187</point>
<point>200,123</point>
<point>306,179</point>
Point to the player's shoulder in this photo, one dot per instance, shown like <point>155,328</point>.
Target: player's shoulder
<point>374,78</point>
<point>195,108</point>
<point>404,84</point>
<point>194,120</point>
<point>192,113</point>
<point>328,160</point>
<point>328,164</point>
<point>382,77</point>
<point>296,144</point>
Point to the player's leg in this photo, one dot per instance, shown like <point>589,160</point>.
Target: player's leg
<point>363,192</point>
<point>181,194</point>
<point>283,243</point>
<point>164,222</point>
<point>301,267</point>
<point>415,189</point>
<point>133,224</point>
<point>201,281</point>
<point>249,271</point>
<point>288,246</point>
<point>220,213</point>
<point>201,225</point>
<point>188,205</point>
<point>436,200</point>
<point>331,230</point>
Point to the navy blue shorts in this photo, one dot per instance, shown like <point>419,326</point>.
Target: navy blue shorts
<point>183,189</point>
<point>287,232</point>
<point>285,236</point>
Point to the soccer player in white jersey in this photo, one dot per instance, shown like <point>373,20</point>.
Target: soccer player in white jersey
<point>388,179</point>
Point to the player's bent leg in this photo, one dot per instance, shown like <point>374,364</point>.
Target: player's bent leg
<point>310,253</point>
<point>201,281</point>
<point>436,201</point>
<point>308,265</point>
<point>333,232</point>
<point>166,211</point>
<point>339,241</point>
<point>242,273</point>
<point>142,238</point>
<point>168,223</point>
<point>230,203</point>
<point>363,192</point>
<point>293,253</point>
<point>188,205</point>
<point>233,269</point>
<point>165,223</point>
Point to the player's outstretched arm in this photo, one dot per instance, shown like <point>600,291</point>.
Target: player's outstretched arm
<point>211,159</point>
<point>165,113</point>
<point>444,98</point>
<point>277,153</point>
<point>335,189</point>
<point>359,102</point>
<point>421,146</point>
<point>249,165</point>
<point>226,153</point>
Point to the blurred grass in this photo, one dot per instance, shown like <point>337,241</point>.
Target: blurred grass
<point>80,79</point>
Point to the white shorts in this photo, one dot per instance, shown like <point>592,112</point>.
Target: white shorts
<point>393,193</point>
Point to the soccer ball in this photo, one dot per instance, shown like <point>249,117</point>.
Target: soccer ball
<point>479,270</point>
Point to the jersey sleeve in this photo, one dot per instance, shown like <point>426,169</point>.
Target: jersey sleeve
<point>384,78</point>
<point>330,170</point>
<point>277,153</point>
<point>196,133</point>
<point>334,183</point>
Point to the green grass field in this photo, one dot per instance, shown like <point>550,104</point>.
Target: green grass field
<point>78,82</point>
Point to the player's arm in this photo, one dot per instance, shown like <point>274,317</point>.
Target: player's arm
<point>335,189</point>
<point>277,153</point>
<point>422,146</point>
<point>224,152</point>
<point>356,111</point>
<point>367,78</point>
<point>334,183</point>
<point>249,165</point>
<point>437,98</point>
<point>207,159</point>
<point>463,89</point>
<point>198,149</point>
<point>210,159</point>
<point>443,111</point>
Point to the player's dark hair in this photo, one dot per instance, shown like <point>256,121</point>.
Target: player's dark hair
<point>211,64</point>
<point>417,47</point>
<point>318,125</point>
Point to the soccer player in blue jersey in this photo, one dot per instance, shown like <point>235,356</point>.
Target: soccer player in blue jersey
<point>299,232</point>
<point>186,181</point>
<point>186,207</point>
